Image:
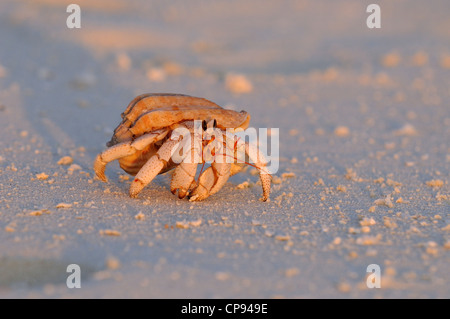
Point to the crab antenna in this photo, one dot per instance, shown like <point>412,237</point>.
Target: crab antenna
<point>242,161</point>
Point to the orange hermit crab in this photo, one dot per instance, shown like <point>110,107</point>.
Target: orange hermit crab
<point>161,131</point>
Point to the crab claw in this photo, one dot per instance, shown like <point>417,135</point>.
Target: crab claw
<point>205,183</point>
<point>182,179</point>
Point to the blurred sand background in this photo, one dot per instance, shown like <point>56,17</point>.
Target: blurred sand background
<point>364,118</point>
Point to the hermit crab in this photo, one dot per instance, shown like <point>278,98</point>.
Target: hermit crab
<point>163,131</point>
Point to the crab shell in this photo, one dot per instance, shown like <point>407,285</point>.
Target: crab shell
<point>155,111</point>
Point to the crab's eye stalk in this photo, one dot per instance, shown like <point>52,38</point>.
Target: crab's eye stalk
<point>204,125</point>
<point>214,123</point>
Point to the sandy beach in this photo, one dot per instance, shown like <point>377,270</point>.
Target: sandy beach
<point>364,153</point>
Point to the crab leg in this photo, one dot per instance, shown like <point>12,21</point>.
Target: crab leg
<point>184,174</point>
<point>153,166</point>
<point>255,156</point>
<point>222,171</point>
<point>211,181</point>
<point>260,161</point>
<point>124,149</point>
<point>183,178</point>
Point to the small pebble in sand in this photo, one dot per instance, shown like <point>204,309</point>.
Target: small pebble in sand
<point>330,74</point>
<point>291,272</point>
<point>387,201</point>
<point>390,271</point>
<point>368,240</point>
<point>123,61</point>
<point>112,263</point>
<point>406,130</point>
<point>432,248</point>
<point>389,223</point>
<point>435,183</point>
<point>243,185</point>
<point>391,59</point>
<point>182,224</point>
<point>445,61</point>
<point>365,229</point>
<point>195,223</point>
<point>342,131</point>
<point>276,180</point>
<point>123,177</point>
<point>351,174</point>
<point>222,276</point>
<point>109,232</point>
<point>288,175</point>
<point>389,145</point>
<point>344,287</point>
<point>9,229</point>
<point>65,160</point>
<point>256,222</point>
<point>72,168</point>
<point>447,245</point>
<point>185,224</point>
<point>173,68</point>
<point>367,222</point>
<point>139,216</point>
<point>156,75</point>
<point>63,205</point>
<point>238,83</point>
<point>268,233</point>
<point>419,59</point>
<point>379,180</point>
<point>282,237</point>
<point>42,176</point>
